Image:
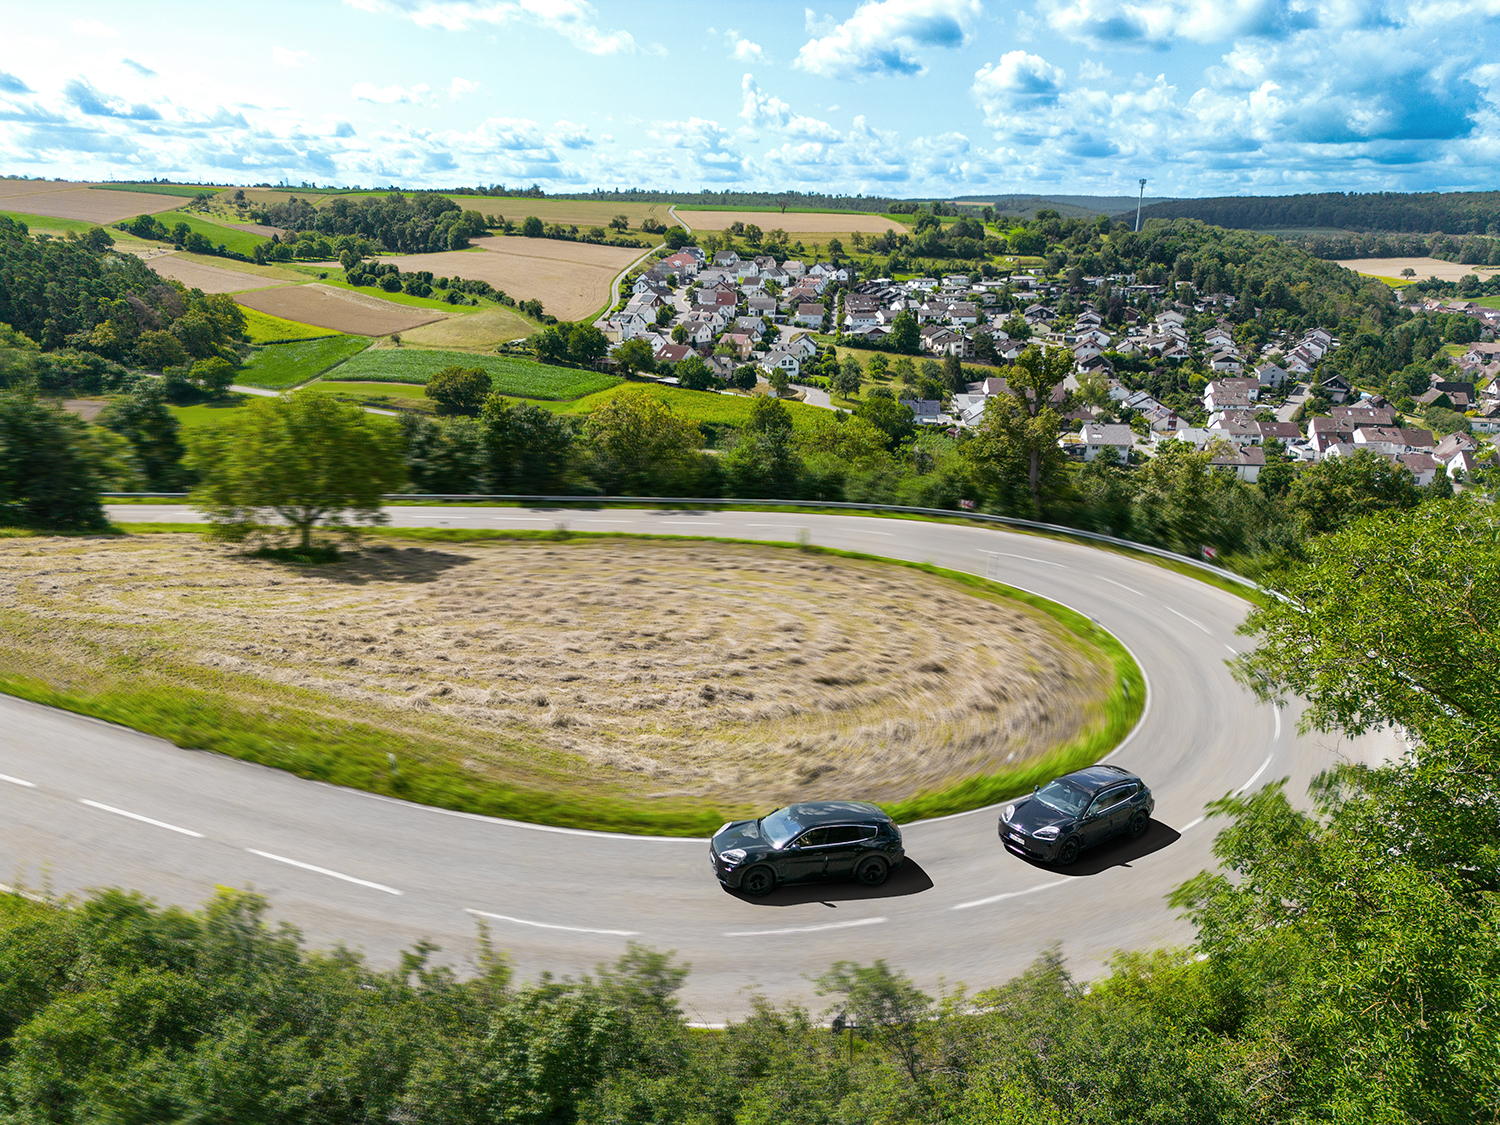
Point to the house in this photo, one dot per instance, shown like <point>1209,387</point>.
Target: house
<point>1284,432</point>
<point>1336,387</point>
<point>762,306</point>
<point>682,263</point>
<point>1486,419</point>
<point>673,353</point>
<point>1365,415</point>
<point>742,343</point>
<point>801,345</point>
<point>1245,460</point>
<point>1111,442</point>
<point>1270,375</point>
<point>1227,362</point>
<point>787,361</point>
<point>1424,467</point>
<point>1237,431</point>
<point>1393,442</point>
<point>963,313</point>
<point>1324,433</point>
<point>727,259</point>
<point>944,341</point>
<point>927,412</point>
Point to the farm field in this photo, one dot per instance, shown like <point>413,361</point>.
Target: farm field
<point>208,414</point>
<point>571,279</point>
<point>1425,267</point>
<point>520,378</point>
<point>235,238</point>
<point>285,365</point>
<point>263,328</point>
<point>375,396</point>
<point>50,224</point>
<point>476,331</point>
<point>185,191</point>
<point>64,200</point>
<point>196,273</point>
<point>703,407</point>
<point>793,222</point>
<point>340,309</point>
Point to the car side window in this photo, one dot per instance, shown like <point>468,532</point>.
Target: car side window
<point>812,838</point>
<point>1109,799</point>
<point>849,834</point>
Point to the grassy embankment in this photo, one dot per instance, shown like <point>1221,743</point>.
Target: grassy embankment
<point>235,239</point>
<point>186,191</point>
<point>513,376</point>
<point>263,328</point>
<point>154,690</point>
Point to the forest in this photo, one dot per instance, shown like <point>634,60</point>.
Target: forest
<point>415,223</point>
<point>1458,213</point>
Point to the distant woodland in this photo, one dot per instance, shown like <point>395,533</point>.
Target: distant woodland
<point>1456,213</point>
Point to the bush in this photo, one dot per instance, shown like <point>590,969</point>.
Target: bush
<point>459,390</point>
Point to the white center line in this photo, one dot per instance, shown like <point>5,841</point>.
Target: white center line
<point>1122,585</point>
<point>1010,894</point>
<point>1189,620</point>
<point>139,817</point>
<point>1263,767</point>
<point>17,781</point>
<point>324,871</point>
<point>1277,712</point>
<point>549,925</point>
<point>1027,558</point>
<point>1190,825</point>
<point>806,929</point>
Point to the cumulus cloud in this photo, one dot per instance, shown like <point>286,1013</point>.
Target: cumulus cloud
<point>94,29</point>
<point>575,20</point>
<point>761,110</point>
<point>140,68</point>
<point>745,51</point>
<point>90,101</point>
<point>885,37</point>
<point>10,84</point>
<point>1018,82</point>
<point>1160,22</point>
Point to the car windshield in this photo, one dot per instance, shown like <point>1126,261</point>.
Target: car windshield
<point>1063,797</point>
<point>780,827</point>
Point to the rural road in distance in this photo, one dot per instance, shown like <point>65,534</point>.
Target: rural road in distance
<point>86,804</point>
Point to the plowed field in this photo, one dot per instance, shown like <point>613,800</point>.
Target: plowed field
<point>338,309</point>
<point>79,201</point>
<point>821,222</point>
<point>1425,267</point>
<point>210,279</point>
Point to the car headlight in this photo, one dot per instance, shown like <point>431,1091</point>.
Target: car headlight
<point>1048,833</point>
<point>1010,811</point>
<point>733,856</point>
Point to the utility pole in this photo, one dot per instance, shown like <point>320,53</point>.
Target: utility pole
<point>1138,203</point>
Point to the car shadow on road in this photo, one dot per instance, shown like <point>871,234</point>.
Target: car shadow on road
<point>908,879</point>
<point>1119,852</point>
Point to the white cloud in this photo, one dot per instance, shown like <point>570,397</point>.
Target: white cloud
<point>575,20</point>
<point>770,112</point>
<point>1160,22</point>
<point>1090,71</point>
<point>884,37</point>
<point>284,56</point>
<point>1017,83</point>
<point>95,29</point>
<point>389,95</point>
<point>746,51</point>
<point>461,86</point>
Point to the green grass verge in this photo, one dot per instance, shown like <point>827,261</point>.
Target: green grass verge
<point>285,365</point>
<point>184,190</point>
<point>208,414</point>
<point>263,328</point>
<point>354,754</point>
<point>232,238</point>
<point>519,378</point>
<point>700,406</point>
<point>51,225</point>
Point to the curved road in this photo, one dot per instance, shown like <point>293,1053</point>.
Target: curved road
<point>85,804</point>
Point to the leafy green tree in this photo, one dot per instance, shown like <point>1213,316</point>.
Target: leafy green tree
<point>528,450</point>
<point>694,374</point>
<point>848,377</point>
<point>531,227</point>
<point>157,350</point>
<point>444,456</point>
<point>639,444</point>
<point>620,223</point>
<point>550,345</point>
<point>144,420</point>
<point>746,375</point>
<point>586,343</point>
<point>635,356</point>
<point>953,374</point>
<point>765,461</point>
<point>1014,453</point>
<point>51,474</point>
<point>1334,491</point>
<point>302,459</point>
<point>780,381</point>
<point>906,335</point>
<point>212,376</point>
<point>896,422</point>
<point>459,390</point>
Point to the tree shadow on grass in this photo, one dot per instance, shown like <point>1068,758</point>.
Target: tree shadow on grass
<point>908,879</point>
<point>369,564</point>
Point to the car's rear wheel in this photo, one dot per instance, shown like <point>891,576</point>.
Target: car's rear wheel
<point>758,881</point>
<point>1068,852</point>
<point>1139,823</point>
<point>872,871</point>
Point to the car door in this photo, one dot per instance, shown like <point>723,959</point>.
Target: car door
<point>1108,814</point>
<point>846,846</point>
<point>805,857</point>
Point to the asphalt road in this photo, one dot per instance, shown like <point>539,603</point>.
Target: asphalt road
<point>85,804</point>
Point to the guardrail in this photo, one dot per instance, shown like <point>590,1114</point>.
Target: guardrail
<point>836,505</point>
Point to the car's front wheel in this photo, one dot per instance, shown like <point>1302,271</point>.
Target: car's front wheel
<point>1068,852</point>
<point>1139,823</point>
<point>872,871</point>
<point>758,881</point>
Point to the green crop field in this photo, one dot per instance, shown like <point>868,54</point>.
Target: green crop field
<point>378,396</point>
<point>50,224</point>
<point>263,328</point>
<point>233,238</point>
<point>286,365</point>
<point>209,414</point>
<point>519,378</point>
<point>187,191</point>
<point>701,406</point>
<point>1489,302</point>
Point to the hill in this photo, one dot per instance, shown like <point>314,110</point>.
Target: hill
<point>1476,212</point>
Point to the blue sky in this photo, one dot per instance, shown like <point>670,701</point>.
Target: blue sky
<point>932,98</point>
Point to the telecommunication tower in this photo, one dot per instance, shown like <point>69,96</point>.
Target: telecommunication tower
<point>1138,203</point>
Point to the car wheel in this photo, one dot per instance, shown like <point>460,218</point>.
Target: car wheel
<point>758,881</point>
<point>872,871</point>
<point>1139,823</point>
<point>1068,852</point>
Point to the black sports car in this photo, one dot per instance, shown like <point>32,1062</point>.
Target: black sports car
<point>1077,811</point>
<point>812,841</point>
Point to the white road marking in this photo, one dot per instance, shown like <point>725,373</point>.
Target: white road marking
<point>1028,558</point>
<point>142,819</point>
<point>324,871</point>
<point>807,929</point>
<point>1256,777</point>
<point>1122,585</point>
<point>17,781</point>
<point>1010,894</point>
<point>1232,649</point>
<point>500,820</point>
<point>1190,621</point>
<point>549,925</point>
<point>1277,712</point>
<point>1192,824</point>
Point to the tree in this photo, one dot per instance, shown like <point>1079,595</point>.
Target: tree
<point>528,450</point>
<point>638,444</point>
<point>764,462</point>
<point>1015,447</point>
<point>303,459</point>
<point>680,334</point>
<point>780,381</point>
<point>143,419</point>
<point>634,356</point>
<point>212,376</point>
<point>953,374</point>
<point>443,456</point>
<point>746,376</point>
<point>620,223</point>
<point>586,344</point>
<point>459,390</point>
<point>896,422</point>
<point>905,334</point>
<point>1335,490</point>
<point>50,472</point>
<point>550,345</point>
<point>532,227</point>
<point>848,377</point>
<point>694,374</point>
<point>1016,327</point>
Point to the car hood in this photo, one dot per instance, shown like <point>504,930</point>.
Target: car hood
<point>1032,814</point>
<point>740,834</point>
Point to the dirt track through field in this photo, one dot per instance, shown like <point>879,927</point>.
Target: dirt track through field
<point>793,222</point>
<point>79,201</point>
<point>343,311</point>
<point>732,673</point>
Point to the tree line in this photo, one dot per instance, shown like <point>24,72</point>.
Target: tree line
<point>1344,966</point>
<point>1457,212</point>
<point>415,223</point>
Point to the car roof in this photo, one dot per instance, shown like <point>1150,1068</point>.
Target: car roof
<point>812,813</point>
<point>1094,778</point>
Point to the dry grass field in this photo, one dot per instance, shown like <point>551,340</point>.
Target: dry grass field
<point>1425,267</point>
<point>793,222</point>
<point>198,274</point>
<point>66,200</point>
<point>571,279</point>
<point>339,309</point>
<point>474,332</point>
<point>742,675</point>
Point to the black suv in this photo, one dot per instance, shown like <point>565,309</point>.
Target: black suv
<point>1077,811</point>
<point>815,840</point>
